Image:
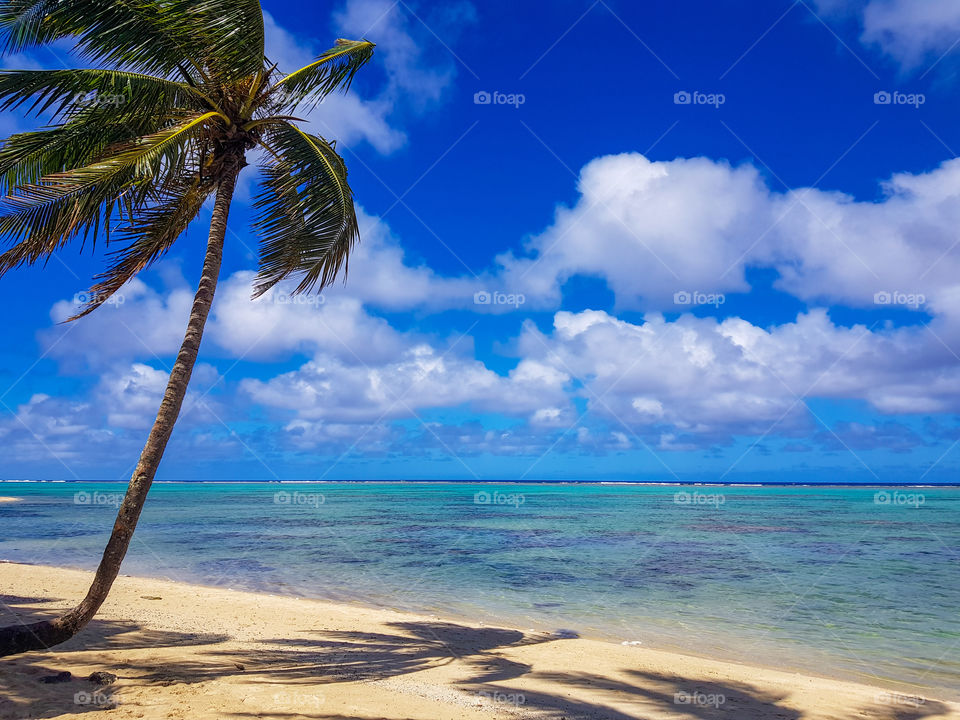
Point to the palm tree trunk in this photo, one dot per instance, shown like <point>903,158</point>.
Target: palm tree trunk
<point>46,633</point>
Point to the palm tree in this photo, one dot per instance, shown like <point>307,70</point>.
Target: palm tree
<point>181,92</point>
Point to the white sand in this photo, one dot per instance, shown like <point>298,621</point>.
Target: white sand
<point>187,652</point>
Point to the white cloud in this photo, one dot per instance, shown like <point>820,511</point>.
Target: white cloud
<point>131,396</point>
<point>653,229</point>
<point>910,31</point>
<point>403,43</point>
<point>692,382</point>
<point>109,423</point>
<point>278,324</point>
<point>715,379</point>
<point>420,378</point>
<point>381,277</point>
<point>415,80</point>
<point>649,228</point>
<point>51,427</point>
<point>139,322</point>
<point>343,117</point>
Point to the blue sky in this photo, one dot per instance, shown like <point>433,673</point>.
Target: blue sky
<point>758,284</point>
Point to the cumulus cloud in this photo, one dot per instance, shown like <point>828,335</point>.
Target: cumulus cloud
<point>649,230</point>
<point>652,230</point>
<point>138,322</point>
<point>715,379</point>
<point>380,275</point>
<point>675,385</point>
<point>279,324</point>
<point>421,378</point>
<point>109,422</point>
<point>51,427</point>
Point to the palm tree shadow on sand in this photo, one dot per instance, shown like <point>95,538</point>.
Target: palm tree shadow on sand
<point>332,657</point>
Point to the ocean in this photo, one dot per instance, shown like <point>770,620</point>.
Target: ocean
<point>861,583</point>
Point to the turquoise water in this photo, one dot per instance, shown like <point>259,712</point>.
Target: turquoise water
<point>834,580</point>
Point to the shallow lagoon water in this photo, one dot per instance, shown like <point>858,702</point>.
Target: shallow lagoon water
<point>855,582</point>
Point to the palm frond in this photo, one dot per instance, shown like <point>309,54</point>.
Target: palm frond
<point>154,37</point>
<point>234,35</point>
<point>149,235</point>
<point>41,217</point>
<point>334,69</point>
<point>66,92</point>
<point>305,212</point>
<point>26,157</point>
<point>182,90</point>
<point>189,36</point>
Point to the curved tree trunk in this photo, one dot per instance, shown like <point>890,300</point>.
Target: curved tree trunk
<point>46,633</point>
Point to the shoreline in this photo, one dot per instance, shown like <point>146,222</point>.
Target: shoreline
<point>477,615</point>
<point>211,652</point>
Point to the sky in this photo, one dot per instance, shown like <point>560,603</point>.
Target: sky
<point>698,241</point>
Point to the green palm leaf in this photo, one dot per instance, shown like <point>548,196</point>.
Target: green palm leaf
<point>190,93</point>
<point>67,92</point>
<point>135,34</point>
<point>334,69</point>
<point>149,236</point>
<point>306,217</point>
<point>45,215</point>
<point>155,37</point>
<point>135,147</point>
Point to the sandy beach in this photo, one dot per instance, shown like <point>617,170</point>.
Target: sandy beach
<point>9,499</point>
<point>185,651</point>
